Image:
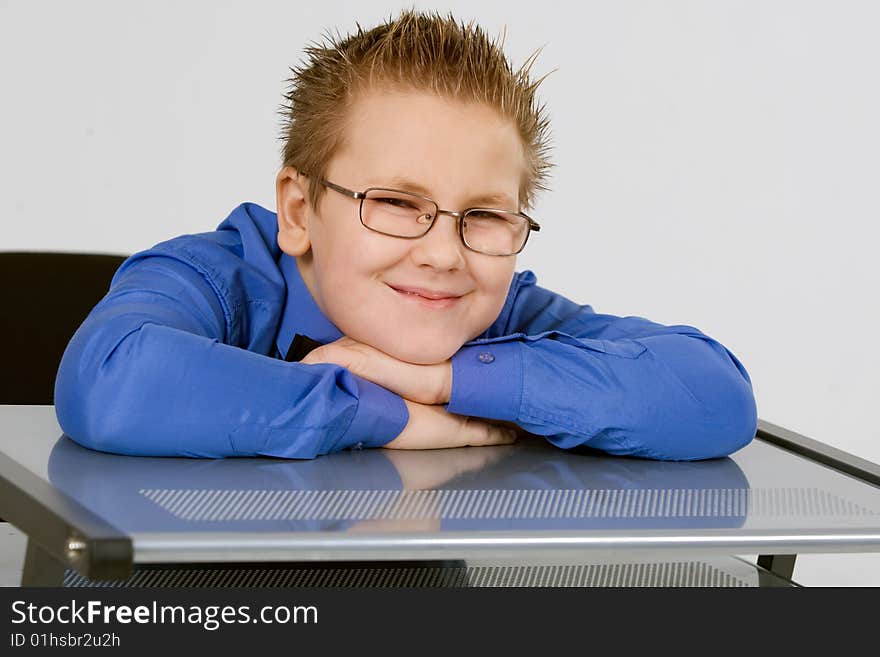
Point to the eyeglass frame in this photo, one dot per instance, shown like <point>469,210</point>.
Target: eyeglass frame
<point>361,196</point>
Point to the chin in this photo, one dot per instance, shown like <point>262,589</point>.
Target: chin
<point>419,355</point>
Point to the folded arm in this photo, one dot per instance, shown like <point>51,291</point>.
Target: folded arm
<point>155,370</point>
<point>625,385</point>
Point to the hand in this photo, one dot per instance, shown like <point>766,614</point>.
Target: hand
<point>433,427</point>
<point>425,384</point>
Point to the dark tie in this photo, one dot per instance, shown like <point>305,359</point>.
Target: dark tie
<point>301,345</point>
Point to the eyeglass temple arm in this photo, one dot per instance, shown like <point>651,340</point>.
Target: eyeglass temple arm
<point>343,190</point>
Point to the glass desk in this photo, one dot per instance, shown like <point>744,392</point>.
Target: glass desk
<point>461,515</point>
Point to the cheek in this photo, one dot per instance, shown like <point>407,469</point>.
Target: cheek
<point>341,255</point>
<point>495,276</point>
<point>348,273</point>
<point>494,282</point>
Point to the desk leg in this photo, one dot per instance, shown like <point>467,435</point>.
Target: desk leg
<point>778,564</point>
<point>41,568</point>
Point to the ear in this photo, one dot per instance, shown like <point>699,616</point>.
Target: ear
<point>292,200</point>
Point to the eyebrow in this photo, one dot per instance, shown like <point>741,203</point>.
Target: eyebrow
<point>498,199</point>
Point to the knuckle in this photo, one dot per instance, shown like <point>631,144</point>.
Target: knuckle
<point>483,433</point>
<point>316,354</point>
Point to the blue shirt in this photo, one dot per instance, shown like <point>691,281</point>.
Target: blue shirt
<point>180,358</point>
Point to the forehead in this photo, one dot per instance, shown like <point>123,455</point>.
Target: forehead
<point>446,147</point>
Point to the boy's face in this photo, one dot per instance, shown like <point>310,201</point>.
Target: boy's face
<point>460,155</point>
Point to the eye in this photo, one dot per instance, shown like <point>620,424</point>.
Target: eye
<point>486,217</point>
<point>396,202</point>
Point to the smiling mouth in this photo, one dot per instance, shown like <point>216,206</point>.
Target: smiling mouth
<point>441,302</point>
<point>425,293</point>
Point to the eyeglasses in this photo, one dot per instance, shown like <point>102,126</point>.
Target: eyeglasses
<point>404,214</point>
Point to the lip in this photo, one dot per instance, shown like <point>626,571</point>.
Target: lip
<point>426,293</point>
<point>429,298</point>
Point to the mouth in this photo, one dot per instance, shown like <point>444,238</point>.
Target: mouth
<point>427,298</point>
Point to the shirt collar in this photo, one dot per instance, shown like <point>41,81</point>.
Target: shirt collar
<point>301,313</point>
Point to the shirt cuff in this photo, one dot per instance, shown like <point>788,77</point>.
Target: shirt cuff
<point>380,417</point>
<point>487,381</point>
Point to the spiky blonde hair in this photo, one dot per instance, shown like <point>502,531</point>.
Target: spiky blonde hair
<point>418,51</point>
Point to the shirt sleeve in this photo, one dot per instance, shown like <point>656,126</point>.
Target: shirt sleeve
<point>150,372</point>
<point>624,385</point>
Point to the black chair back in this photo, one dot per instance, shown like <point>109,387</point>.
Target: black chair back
<point>44,297</point>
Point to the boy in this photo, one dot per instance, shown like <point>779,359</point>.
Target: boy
<point>380,306</point>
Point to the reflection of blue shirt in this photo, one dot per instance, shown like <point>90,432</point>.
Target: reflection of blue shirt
<point>528,486</point>
<point>181,358</point>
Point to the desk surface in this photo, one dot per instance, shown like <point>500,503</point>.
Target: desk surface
<point>518,501</point>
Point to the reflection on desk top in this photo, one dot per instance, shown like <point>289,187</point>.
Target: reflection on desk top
<point>531,485</point>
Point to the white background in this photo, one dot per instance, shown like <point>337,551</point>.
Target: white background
<point>717,163</point>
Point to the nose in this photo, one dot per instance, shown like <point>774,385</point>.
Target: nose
<point>441,247</point>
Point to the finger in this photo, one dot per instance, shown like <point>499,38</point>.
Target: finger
<point>509,436</point>
<point>317,356</point>
<point>483,433</point>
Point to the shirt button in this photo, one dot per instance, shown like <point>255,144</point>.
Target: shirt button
<point>486,357</point>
